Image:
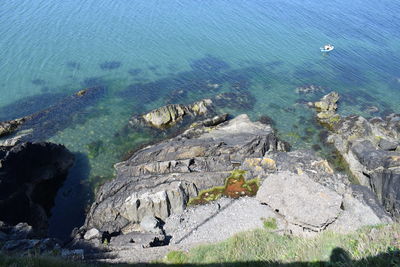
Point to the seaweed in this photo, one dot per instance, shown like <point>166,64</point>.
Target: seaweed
<point>29,105</point>
<point>62,114</point>
<point>135,72</point>
<point>235,186</point>
<point>95,148</point>
<point>110,65</point>
<point>93,82</point>
<point>73,65</point>
<point>209,64</point>
<point>38,82</point>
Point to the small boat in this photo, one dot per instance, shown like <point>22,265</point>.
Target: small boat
<point>327,48</point>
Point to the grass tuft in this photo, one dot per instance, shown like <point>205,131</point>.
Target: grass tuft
<point>270,223</point>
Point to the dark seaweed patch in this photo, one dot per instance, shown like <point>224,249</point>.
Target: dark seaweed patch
<point>29,105</point>
<point>38,82</point>
<point>267,120</point>
<point>209,63</point>
<point>350,75</point>
<point>142,92</point>
<point>176,96</point>
<point>93,82</point>
<point>110,65</point>
<point>62,114</point>
<point>306,74</point>
<point>73,65</point>
<point>134,72</point>
<point>274,64</point>
<point>240,100</point>
<point>154,68</point>
<point>172,67</point>
<point>274,106</point>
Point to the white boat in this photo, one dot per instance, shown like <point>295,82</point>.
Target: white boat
<point>327,48</point>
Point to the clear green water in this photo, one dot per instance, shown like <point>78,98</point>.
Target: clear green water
<point>51,49</point>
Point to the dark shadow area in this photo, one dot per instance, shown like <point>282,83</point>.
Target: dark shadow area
<point>71,200</point>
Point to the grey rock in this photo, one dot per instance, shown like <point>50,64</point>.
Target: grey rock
<point>388,145</point>
<point>159,180</point>
<point>169,115</point>
<point>8,127</point>
<point>21,231</point>
<point>360,208</point>
<point>26,245</point>
<point>91,234</point>
<point>326,109</point>
<point>370,149</point>
<point>299,162</point>
<point>151,224</point>
<point>219,220</point>
<point>301,200</point>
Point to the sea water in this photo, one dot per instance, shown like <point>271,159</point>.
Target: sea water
<point>143,52</point>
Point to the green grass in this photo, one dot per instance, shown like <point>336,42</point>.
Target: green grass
<point>370,246</point>
<point>270,223</point>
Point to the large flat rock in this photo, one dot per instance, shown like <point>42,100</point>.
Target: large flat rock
<point>301,200</point>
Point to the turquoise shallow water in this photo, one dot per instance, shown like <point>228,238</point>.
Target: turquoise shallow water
<point>143,52</point>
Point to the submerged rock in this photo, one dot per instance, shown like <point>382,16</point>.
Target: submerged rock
<point>35,127</point>
<point>371,149</point>
<point>30,176</point>
<point>309,89</point>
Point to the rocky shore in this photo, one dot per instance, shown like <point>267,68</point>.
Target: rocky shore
<point>371,148</point>
<point>152,207</point>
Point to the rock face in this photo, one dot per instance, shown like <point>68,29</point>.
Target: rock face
<point>301,200</point>
<point>159,180</point>
<point>22,239</point>
<point>308,206</point>
<point>146,205</point>
<point>30,175</point>
<point>169,115</point>
<point>8,127</point>
<point>326,109</point>
<point>371,148</point>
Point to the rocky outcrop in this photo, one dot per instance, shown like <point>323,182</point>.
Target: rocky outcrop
<point>159,180</point>
<point>8,127</point>
<point>326,109</point>
<point>169,115</point>
<point>147,204</point>
<point>22,239</point>
<point>371,148</point>
<point>30,175</point>
<point>308,206</point>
